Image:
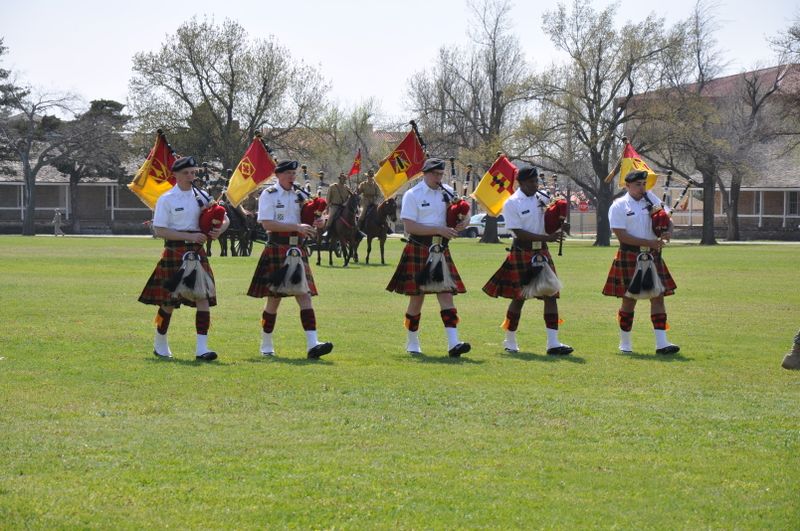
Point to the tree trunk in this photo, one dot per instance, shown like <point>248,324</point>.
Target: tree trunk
<point>604,198</point>
<point>73,202</point>
<point>29,199</point>
<point>733,212</point>
<point>490,231</point>
<point>709,186</point>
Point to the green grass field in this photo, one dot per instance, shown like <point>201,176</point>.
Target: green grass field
<point>97,433</point>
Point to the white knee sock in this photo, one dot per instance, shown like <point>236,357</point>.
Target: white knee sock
<point>511,340</point>
<point>311,339</point>
<point>552,338</point>
<point>452,336</point>
<point>202,344</point>
<point>161,345</point>
<point>625,341</point>
<point>412,343</point>
<point>266,343</point>
<point>661,338</point>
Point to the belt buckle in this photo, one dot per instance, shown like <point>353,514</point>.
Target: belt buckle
<point>293,240</point>
<point>436,240</point>
<point>644,249</point>
<point>536,246</point>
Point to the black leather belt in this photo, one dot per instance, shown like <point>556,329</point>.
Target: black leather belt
<point>528,245</point>
<point>636,248</point>
<point>427,240</point>
<point>285,239</point>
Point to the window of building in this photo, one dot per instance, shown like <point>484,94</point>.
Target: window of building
<point>794,203</point>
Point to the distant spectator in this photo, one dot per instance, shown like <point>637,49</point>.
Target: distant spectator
<point>57,224</point>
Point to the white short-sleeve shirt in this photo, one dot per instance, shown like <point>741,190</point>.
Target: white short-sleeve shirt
<point>425,205</point>
<point>633,216</point>
<point>277,204</point>
<point>526,212</point>
<point>178,210</point>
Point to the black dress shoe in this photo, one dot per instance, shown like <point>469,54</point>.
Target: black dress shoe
<point>669,349</point>
<point>320,350</point>
<point>208,356</point>
<point>563,350</point>
<point>458,350</point>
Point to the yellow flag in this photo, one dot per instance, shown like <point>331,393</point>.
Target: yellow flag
<point>402,165</point>
<point>255,167</point>
<point>631,161</point>
<point>496,186</point>
<point>154,177</point>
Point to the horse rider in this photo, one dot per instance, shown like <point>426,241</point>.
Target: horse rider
<point>371,197</point>
<point>279,209</point>
<point>338,194</point>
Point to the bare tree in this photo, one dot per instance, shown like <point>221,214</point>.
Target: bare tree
<point>94,147</point>
<point>218,77</point>
<point>31,131</point>
<point>584,103</point>
<point>471,100</point>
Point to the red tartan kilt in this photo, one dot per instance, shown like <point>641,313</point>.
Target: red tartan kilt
<point>624,267</point>
<point>171,261</point>
<point>411,262</point>
<point>506,282</point>
<point>272,258</point>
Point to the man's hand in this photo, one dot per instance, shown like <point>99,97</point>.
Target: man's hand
<point>197,237</point>
<point>215,233</point>
<point>447,232</point>
<point>307,230</point>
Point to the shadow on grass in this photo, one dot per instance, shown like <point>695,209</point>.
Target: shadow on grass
<point>669,358</point>
<point>423,358</point>
<point>190,362</point>
<point>289,361</point>
<point>530,356</point>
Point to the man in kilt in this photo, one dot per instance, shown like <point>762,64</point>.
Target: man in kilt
<point>424,219</point>
<point>524,215</point>
<point>279,213</point>
<point>630,219</point>
<point>176,219</point>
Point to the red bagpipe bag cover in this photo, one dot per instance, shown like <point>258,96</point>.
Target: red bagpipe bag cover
<point>211,217</point>
<point>312,209</point>
<point>456,211</point>
<point>554,215</point>
<point>660,219</point>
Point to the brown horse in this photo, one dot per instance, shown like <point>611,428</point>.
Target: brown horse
<point>376,225</point>
<point>345,230</point>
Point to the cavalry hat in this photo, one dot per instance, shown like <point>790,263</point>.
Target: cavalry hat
<point>526,171</point>
<point>636,175</point>
<point>183,163</point>
<point>286,165</point>
<point>433,164</point>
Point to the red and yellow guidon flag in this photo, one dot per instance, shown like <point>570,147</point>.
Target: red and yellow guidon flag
<point>255,167</point>
<point>154,177</point>
<point>402,165</point>
<point>631,161</point>
<point>496,186</point>
<point>356,168</point>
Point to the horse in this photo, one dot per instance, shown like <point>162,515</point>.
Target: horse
<point>345,230</point>
<point>376,226</point>
<point>239,233</point>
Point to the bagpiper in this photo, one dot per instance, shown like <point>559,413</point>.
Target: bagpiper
<point>638,270</point>
<point>183,275</point>
<point>426,265</point>
<point>528,271</point>
<point>283,269</point>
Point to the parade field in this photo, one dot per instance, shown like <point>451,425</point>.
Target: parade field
<point>96,432</point>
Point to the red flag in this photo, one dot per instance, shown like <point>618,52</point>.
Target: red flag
<point>255,167</point>
<point>356,169</point>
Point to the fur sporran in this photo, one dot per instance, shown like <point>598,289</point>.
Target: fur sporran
<point>435,276</point>
<point>191,281</point>
<point>646,284</point>
<point>542,281</point>
<point>291,279</point>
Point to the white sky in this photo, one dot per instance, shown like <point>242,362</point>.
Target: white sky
<point>365,48</point>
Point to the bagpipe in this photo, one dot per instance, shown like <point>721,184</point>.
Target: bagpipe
<point>556,213</point>
<point>312,207</point>
<point>457,207</point>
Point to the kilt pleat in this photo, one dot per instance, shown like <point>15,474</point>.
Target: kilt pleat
<point>171,261</point>
<point>507,280</point>
<point>623,268</point>
<point>412,261</point>
<point>272,258</point>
